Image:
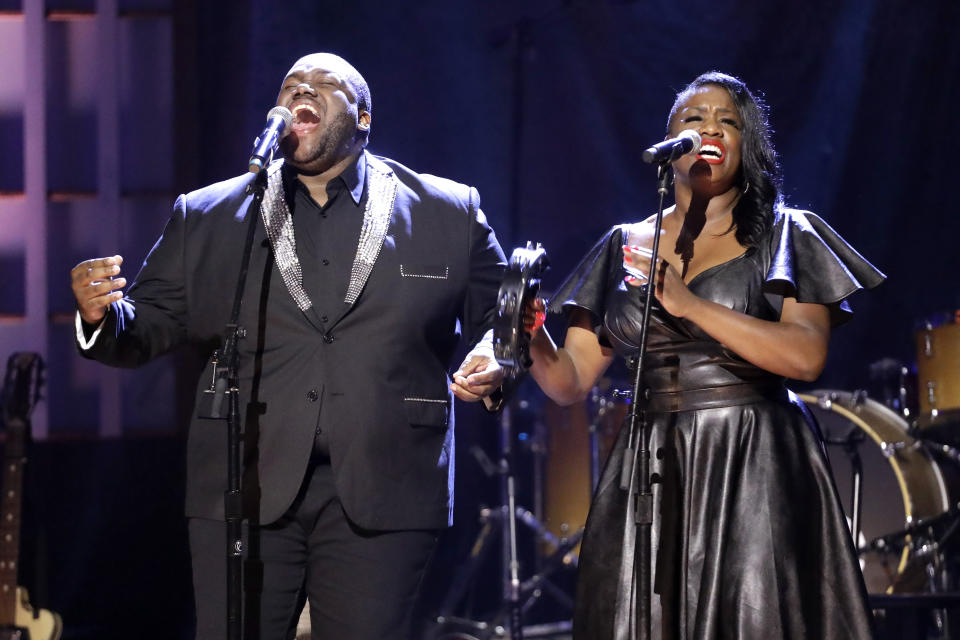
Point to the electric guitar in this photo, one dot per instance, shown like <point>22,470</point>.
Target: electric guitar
<point>21,390</point>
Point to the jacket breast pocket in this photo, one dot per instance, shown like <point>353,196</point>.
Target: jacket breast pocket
<point>427,412</point>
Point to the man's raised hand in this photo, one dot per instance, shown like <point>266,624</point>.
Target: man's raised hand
<point>96,285</point>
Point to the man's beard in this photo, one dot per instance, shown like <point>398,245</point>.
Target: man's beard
<point>333,144</point>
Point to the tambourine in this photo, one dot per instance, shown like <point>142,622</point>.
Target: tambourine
<point>521,284</point>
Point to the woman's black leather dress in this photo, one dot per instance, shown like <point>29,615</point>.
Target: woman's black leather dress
<point>749,538</point>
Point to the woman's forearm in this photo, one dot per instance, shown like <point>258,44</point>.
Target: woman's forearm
<point>567,374</point>
<point>794,347</point>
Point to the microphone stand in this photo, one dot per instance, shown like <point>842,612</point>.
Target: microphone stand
<point>636,480</point>
<point>228,384</point>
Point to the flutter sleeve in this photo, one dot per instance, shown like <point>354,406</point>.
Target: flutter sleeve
<point>589,283</point>
<point>812,263</point>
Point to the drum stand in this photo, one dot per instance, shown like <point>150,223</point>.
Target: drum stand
<point>600,404</point>
<point>932,547</point>
<point>925,542</point>
<point>851,448</point>
<point>517,597</point>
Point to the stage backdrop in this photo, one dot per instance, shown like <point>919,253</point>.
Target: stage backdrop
<point>109,108</point>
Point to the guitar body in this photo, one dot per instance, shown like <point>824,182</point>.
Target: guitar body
<point>40,624</point>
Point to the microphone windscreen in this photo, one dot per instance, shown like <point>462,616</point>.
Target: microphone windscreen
<point>694,136</point>
<point>281,112</point>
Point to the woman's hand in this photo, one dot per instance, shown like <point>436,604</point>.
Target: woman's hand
<point>534,316</point>
<point>478,377</point>
<point>670,289</point>
<point>480,374</point>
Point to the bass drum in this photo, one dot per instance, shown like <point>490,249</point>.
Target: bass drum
<point>901,483</point>
<point>578,442</point>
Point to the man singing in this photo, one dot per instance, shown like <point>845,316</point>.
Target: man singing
<point>362,278</point>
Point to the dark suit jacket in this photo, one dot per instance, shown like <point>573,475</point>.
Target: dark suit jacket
<point>375,379</point>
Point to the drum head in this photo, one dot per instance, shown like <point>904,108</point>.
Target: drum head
<point>901,482</point>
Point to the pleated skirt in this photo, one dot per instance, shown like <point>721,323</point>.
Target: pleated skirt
<point>749,538</point>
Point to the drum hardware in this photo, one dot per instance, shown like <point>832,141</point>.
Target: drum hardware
<point>894,384</point>
<point>890,448</point>
<point>528,591</point>
<point>542,533</point>
<point>851,447</point>
<point>895,464</point>
<point>920,535</point>
<point>601,405</point>
<point>517,597</point>
<point>950,452</point>
<point>463,629</point>
<point>925,543</point>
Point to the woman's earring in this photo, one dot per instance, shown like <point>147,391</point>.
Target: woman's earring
<point>746,187</point>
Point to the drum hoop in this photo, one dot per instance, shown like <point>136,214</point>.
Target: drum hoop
<point>897,472</point>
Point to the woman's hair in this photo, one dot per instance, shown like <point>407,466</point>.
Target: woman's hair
<point>759,172</point>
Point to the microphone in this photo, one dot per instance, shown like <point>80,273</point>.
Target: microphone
<point>669,150</point>
<point>278,123</point>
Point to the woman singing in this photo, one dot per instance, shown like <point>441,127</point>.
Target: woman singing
<point>749,539</point>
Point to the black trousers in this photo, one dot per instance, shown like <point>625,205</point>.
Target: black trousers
<point>362,585</point>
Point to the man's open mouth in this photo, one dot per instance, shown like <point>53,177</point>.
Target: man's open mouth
<point>306,117</point>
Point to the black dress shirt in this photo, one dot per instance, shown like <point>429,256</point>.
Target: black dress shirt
<point>326,239</point>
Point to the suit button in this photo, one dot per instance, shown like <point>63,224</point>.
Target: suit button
<point>324,318</point>
<point>325,262</point>
<point>312,395</point>
<point>328,338</point>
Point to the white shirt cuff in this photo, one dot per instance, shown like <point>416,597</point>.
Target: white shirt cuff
<point>81,339</point>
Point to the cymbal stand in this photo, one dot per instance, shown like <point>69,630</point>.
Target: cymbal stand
<point>936,577</point>
<point>516,596</point>
<point>929,547</point>
<point>508,495</point>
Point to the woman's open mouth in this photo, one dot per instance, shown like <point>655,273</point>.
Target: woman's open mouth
<point>712,151</point>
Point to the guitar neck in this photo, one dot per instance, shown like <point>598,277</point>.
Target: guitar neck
<point>10,505</point>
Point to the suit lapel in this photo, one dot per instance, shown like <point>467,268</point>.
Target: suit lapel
<point>381,196</point>
<point>279,226</point>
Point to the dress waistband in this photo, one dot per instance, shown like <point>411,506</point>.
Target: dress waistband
<point>712,397</point>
